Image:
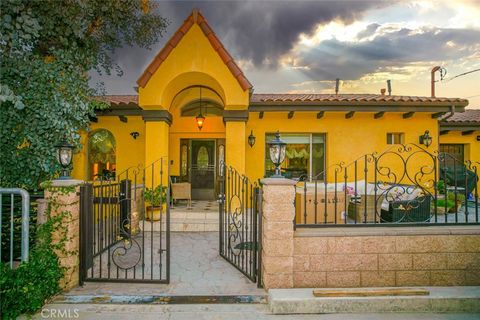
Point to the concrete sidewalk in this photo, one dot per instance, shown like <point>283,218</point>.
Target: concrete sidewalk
<point>217,312</point>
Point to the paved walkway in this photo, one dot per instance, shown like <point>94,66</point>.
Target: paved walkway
<point>196,269</point>
<point>217,312</point>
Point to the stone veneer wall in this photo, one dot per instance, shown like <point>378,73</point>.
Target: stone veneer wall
<point>377,257</point>
<point>69,202</point>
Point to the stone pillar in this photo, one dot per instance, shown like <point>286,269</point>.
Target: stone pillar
<point>61,199</point>
<point>277,233</point>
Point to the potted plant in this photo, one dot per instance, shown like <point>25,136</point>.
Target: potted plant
<point>452,206</point>
<point>157,198</point>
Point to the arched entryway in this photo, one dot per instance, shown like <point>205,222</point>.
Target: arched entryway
<point>197,139</point>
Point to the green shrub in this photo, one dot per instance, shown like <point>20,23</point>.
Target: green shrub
<point>26,288</point>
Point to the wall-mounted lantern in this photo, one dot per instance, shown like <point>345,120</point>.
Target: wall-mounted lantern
<point>426,139</point>
<point>134,134</point>
<point>64,158</point>
<point>277,149</point>
<point>251,139</point>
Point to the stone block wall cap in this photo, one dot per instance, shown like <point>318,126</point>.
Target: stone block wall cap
<point>278,182</point>
<point>66,183</point>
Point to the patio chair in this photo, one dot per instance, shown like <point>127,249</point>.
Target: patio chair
<point>413,210</point>
<point>182,191</point>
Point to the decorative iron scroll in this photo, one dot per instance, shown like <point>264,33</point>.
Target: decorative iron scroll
<point>404,184</point>
<point>239,205</point>
<point>119,241</point>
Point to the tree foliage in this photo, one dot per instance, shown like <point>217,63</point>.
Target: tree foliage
<point>47,48</point>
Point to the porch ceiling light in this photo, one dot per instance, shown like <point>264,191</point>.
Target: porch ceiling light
<point>251,139</point>
<point>200,119</point>
<point>426,139</point>
<point>276,149</point>
<point>64,158</point>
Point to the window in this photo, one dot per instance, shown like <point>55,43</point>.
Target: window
<point>395,138</point>
<point>102,155</point>
<point>304,156</point>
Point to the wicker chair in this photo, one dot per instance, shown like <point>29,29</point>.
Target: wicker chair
<point>182,191</point>
<point>414,210</point>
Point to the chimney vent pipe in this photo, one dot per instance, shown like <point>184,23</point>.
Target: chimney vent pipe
<point>337,85</point>
<point>382,91</point>
<point>389,87</point>
<point>434,69</point>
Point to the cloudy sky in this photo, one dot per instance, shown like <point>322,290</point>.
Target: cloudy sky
<point>302,46</point>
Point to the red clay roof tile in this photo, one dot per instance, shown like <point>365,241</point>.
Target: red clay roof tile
<point>351,99</point>
<point>470,115</point>
<point>280,97</point>
<point>195,17</point>
<point>176,38</point>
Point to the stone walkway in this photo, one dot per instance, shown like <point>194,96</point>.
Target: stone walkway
<point>196,269</point>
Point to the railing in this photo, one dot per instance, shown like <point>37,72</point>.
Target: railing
<point>405,185</point>
<point>8,204</point>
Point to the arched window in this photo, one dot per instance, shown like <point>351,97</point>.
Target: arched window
<point>101,155</point>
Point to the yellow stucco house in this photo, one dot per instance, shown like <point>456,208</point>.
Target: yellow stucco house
<point>194,77</point>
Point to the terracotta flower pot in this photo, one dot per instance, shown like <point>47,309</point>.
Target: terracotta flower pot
<point>154,213</point>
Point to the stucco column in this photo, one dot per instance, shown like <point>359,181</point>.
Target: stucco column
<point>156,148</point>
<point>235,141</point>
<point>277,233</point>
<point>156,141</point>
<point>63,199</point>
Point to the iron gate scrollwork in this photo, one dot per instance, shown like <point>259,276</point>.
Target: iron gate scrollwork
<point>240,222</point>
<point>120,240</point>
<point>404,185</point>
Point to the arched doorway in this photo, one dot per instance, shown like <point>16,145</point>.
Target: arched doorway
<point>201,146</point>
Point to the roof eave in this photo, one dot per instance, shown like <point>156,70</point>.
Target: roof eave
<point>276,106</point>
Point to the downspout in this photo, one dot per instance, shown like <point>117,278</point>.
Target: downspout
<point>451,113</point>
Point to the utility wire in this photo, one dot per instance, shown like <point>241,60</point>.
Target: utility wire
<point>462,74</point>
<point>477,95</point>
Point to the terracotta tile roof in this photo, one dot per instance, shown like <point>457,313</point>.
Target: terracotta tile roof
<point>469,116</point>
<point>348,98</point>
<point>195,17</point>
<point>120,99</point>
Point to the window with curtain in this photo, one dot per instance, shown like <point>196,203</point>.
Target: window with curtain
<point>304,156</point>
<point>102,155</point>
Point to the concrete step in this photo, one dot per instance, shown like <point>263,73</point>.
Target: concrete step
<point>183,225</point>
<point>440,299</point>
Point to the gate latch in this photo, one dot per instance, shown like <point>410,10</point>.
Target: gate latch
<point>221,198</point>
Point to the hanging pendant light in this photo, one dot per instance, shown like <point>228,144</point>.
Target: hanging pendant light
<point>200,119</point>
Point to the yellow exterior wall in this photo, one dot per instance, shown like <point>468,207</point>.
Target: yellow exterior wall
<point>472,146</point>
<point>129,152</point>
<point>236,146</point>
<point>192,62</point>
<point>346,139</point>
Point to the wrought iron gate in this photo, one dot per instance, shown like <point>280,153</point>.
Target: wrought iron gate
<point>125,227</point>
<point>240,222</point>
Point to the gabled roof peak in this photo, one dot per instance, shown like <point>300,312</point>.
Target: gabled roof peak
<point>195,17</point>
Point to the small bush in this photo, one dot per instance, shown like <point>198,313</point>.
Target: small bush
<point>26,288</point>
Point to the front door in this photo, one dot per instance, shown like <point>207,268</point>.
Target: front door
<point>202,169</point>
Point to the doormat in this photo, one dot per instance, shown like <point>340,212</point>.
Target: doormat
<point>160,299</point>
